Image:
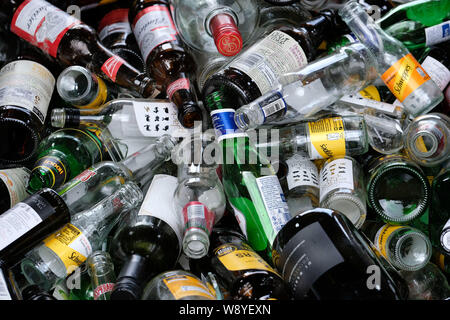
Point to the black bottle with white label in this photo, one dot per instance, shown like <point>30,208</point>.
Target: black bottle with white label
<point>321,255</point>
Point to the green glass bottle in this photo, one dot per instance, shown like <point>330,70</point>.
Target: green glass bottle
<point>63,155</point>
<point>250,182</point>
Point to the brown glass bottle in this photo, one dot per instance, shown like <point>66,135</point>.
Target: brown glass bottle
<point>72,42</point>
<point>255,70</point>
<point>166,60</point>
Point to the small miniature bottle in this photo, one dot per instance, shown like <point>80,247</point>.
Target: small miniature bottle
<point>342,188</point>
<point>13,187</point>
<point>101,271</point>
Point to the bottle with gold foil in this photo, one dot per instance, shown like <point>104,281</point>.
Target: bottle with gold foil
<point>13,187</point>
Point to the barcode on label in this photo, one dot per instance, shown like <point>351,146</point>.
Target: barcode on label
<point>273,108</point>
<point>196,211</point>
<point>251,60</point>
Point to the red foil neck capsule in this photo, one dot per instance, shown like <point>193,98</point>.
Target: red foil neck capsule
<point>226,34</point>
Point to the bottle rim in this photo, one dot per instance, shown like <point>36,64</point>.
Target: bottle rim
<point>192,238</point>
<point>398,246</point>
<point>353,199</point>
<point>445,239</point>
<point>71,71</point>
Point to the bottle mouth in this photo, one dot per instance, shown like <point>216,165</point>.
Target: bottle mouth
<point>350,206</point>
<point>189,115</point>
<point>222,25</point>
<point>445,240</point>
<point>22,141</point>
<point>196,243</point>
<point>412,251</point>
<point>75,84</point>
<point>424,144</point>
<point>350,10</point>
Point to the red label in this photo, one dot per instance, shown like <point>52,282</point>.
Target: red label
<point>102,289</point>
<point>179,84</point>
<point>115,16</point>
<point>42,24</point>
<point>197,215</point>
<point>111,66</point>
<point>85,175</point>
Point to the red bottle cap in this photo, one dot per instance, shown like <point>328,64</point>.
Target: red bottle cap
<point>226,34</point>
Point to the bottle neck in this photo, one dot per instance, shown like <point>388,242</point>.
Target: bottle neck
<point>129,282</point>
<point>222,25</point>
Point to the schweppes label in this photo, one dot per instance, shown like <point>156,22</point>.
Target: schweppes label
<point>405,76</point>
<point>327,138</point>
<point>55,168</point>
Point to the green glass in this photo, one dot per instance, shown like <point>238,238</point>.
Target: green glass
<point>440,206</point>
<point>63,155</point>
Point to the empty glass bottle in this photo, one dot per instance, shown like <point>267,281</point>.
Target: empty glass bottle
<point>13,187</point>
<point>101,271</point>
<point>440,208</point>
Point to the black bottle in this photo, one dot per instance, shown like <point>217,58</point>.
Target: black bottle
<point>33,292</point>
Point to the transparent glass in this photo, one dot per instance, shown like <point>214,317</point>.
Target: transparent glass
<point>315,86</point>
<point>427,283</point>
<point>101,271</point>
<point>43,266</point>
<point>426,139</point>
<point>385,134</point>
<point>388,52</point>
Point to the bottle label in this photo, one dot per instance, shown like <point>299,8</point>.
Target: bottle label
<point>152,27</point>
<point>70,245</point>
<point>240,218</point>
<point>334,175</point>
<point>369,103</point>
<point>269,59</point>
<point>301,173</point>
<point>27,84</point>
<point>155,119</point>
<point>180,84</point>
<point>4,292</point>
<point>55,167</point>
<point>238,259</point>
<point>437,71</point>
<point>100,99</point>
<point>102,289</point>
<point>370,92</point>
<point>155,204</point>
<point>327,138</point>
<point>112,66</point>
<point>76,188</point>
<point>275,203</point>
<point>405,76</point>
<point>42,24</point>
<point>182,286</point>
<point>223,122</point>
<point>273,105</point>
<point>437,34</point>
<point>196,215</point>
<point>382,236</point>
<point>15,181</point>
<point>115,21</point>
<point>306,257</point>
<point>17,221</point>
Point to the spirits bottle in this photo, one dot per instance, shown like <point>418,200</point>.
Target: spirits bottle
<point>62,156</point>
<point>167,62</point>
<point>26,88</point>
<point>216,26</point>
<point>406,248</point>
<point>101,271</point>
<point>147,241</point>
<point>13,187</point>
<point>332,261</point>
<point>397,67</point>
<point>72,42</point>
<point>255,71</point>
<point>67,249</point>
<point>342,188</point>
<point>397,189</point>
<point>315,86</point>
<point>177,285</point>
<point>426,139</point>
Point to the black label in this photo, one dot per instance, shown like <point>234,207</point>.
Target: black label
<point>55,167</point>
<point>42,207</point>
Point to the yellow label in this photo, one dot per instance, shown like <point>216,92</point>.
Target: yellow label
<point>383,236</point>
<point>371,92</point>
<point>236,260</point>
<point>323,45</point>
<point>67,244</point>
<point>182,286</point>
<point>327,138</point>
<point>101,97</point>
<point>405,76</point>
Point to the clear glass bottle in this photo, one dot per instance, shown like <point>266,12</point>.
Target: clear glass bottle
<point>315,86</point>
<point>65,250</point>
<point>399,70</point>
<point>342,188</point>
<point>101,271</point>
<point>385,134</point>
<point>426,139</point>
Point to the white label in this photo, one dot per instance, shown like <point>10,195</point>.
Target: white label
<point>336,174</point>
<point>158,119</point>
<point>195,211</point>
<point>437,34</point>
<point>437,71</point>
<point>158,203</point>
<point>4,293</point>
<point>369,103</point>
<point>27,84</point>
<point>153,26</point>
<point>301,172</point>
<point>15,181</point>
<point>269,59</point>
<point>275,203</point>
<point>17,221</point>
<point>120,27</point>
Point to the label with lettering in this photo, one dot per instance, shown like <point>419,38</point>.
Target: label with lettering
<point>358,101</point>
<point>183,286</point>
<point>405,76</point>
<point>102,289</point>
<point>197,216</point>
<point>301,172</point>
<point>15,181</point>
<point>42,24</point>
<point>70,245</point>
<point>55,167</point>
<point>437,34</point>
<point>115,21</point>
<point>27,84</point>
<point>269,59</point>
<point>382,237</point>
<point>4,292</point>
<point>152,27</point>
<point>223,122</point>
<point>273,106</point>
<point>335,175</point>
<point>326,138</point>
<point>437,71</point>
<point>180,84</point>
<point>112,66</point>
<point>237,259</point>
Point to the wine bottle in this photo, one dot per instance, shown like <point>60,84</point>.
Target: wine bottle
<point>13,187</point>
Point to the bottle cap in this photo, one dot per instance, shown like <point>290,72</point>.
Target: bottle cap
<point>226,34</point>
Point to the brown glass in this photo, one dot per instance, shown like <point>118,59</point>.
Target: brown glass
<point>169,62</point>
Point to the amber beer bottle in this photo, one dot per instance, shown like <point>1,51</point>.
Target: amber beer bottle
<point>72,42</point>
<point>166,60</point>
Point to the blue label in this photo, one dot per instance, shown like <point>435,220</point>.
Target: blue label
<point>445,30</point>
<point>223,122</point>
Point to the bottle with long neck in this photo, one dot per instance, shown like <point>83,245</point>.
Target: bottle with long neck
<point>72,42</point>
<point>64,251</point>
<point>101,271</point>
<point>397,67</point>
<point>167,61</point>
